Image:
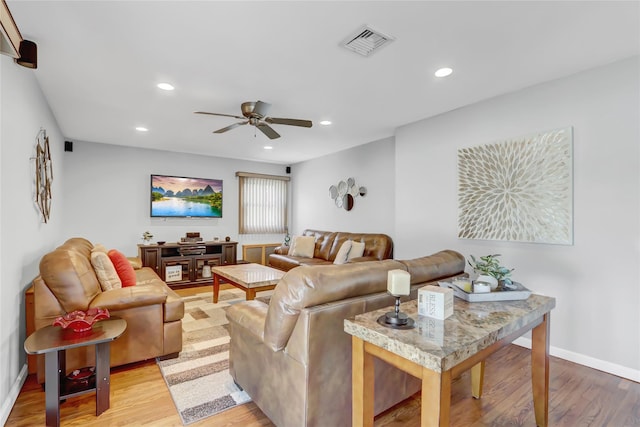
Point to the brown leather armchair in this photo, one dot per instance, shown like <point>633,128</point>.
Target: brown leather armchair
<point>327,244</point>
<point>153,312</point>
<point>292,355</point>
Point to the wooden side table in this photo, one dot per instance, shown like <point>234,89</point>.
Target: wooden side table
<point>53,341</point>
<point>438,350</point>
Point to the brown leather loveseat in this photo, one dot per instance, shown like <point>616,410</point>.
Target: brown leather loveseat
<point>68,282</point>
<point>293,357</point>
<point>327,244</point>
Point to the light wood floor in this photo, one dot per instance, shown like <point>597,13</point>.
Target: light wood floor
<point>579,396</point>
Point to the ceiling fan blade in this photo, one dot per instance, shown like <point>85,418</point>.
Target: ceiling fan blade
<point>261,108</point>
<point>219,114</point>
<point>235,125</point>
<point>290,122</point>
<point>268,130</point>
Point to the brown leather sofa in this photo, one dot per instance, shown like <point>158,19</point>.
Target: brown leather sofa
<point>292,355</point>
<point>327,244</point>
<point>153,311</point>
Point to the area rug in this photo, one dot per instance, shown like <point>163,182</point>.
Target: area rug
<point>198,379</point>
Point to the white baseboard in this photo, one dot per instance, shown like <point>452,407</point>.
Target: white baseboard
<point>7,405</point>
<point>581,359</point>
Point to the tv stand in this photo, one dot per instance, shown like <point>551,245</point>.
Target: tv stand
<point>184,270</point>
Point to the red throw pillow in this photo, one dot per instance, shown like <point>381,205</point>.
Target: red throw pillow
<point>123,268</point>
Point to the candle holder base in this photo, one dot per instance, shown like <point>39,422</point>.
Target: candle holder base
<point>396,321</point>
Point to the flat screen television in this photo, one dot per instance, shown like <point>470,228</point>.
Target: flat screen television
<point>184,197</point>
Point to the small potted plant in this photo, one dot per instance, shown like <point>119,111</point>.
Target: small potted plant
<point>146,237</point>
<point>490,271</point>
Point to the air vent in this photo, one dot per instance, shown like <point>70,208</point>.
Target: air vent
<point>366,40</point>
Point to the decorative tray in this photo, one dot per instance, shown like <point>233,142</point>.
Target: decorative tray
<point>517,293</point>
<point>81,321</point>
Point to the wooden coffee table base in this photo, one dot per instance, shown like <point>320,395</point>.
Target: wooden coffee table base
<point>250,292</point>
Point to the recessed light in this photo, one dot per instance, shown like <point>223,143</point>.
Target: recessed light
<point>443,72</point>
<point>268,147</point>
<point>142,129</point>
<point>325,122</point>
<point>165,86</point>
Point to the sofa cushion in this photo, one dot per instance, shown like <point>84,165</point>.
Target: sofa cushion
<point>125,271</point>
<point>303,246</point>
<point>357,250</point>
<point>69,275</point>
<point>105,271</point>
<point>343,253</point>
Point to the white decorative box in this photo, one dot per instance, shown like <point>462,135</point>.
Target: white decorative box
<point>435,302</point>
<point>173,273</point>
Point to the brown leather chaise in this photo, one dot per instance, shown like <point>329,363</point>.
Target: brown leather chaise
<point>293,357</point>
<point>68,282</point>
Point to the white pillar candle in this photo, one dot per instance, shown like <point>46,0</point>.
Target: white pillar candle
<point>398,282</point>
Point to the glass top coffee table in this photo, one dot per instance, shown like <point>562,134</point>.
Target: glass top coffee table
<point>251,278</point>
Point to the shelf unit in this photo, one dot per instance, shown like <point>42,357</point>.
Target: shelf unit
<point>186,270</point>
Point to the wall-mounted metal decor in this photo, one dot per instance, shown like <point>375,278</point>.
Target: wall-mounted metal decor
<point>44,175</point>
<point>518,189</point>
<point>344,193</point>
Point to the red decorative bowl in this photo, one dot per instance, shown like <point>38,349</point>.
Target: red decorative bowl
<point>81,321</point>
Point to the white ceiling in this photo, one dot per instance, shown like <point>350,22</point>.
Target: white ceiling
<point>99,63</point>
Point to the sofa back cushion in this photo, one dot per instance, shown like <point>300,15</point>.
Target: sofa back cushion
<point>378,246</point>
<point>433,267</point>
<point>68,273</point>
<point>308,286</point>
<point>324,243</point>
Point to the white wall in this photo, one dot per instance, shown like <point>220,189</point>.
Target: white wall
<point>23,236</point>
<point>595,281</point>
<point>107,195</point>
<point>372,166</point>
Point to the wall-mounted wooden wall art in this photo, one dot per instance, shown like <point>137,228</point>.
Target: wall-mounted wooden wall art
<point>518,189</point>
<point>44,175</point>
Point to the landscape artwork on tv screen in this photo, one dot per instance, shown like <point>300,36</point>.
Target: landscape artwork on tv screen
<point>182,197</point>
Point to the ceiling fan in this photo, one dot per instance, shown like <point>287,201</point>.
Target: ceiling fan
<point>255,114</point>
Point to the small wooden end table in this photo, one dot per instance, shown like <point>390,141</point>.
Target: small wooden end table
<point>53,341</point>
<point>251,278</point>
<point>438,350</point>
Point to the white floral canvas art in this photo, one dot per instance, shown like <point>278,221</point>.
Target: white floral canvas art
<point>518,190</point>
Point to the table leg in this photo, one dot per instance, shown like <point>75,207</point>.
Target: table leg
<point>216,287</point>
<point>436,398</point>
<point>103,377</point>
<point>52,387</point>
<point>540,370</point>
<point>251,294</point>
<point>362,385</point>
<point>477,379</point>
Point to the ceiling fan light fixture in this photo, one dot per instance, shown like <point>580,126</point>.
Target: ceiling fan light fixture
<point>165,86</point>
<point>268,147</point>
<point>325,122</point>
<point>142,129</point>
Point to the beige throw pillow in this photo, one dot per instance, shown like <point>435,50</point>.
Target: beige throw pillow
<point>357,250</point>
<point>343,253</point>
<point>105,271</point>
<point>303,246</point>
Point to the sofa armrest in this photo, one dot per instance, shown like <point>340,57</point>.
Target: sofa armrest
<point>250,315</point>
<point>136,262</point>
<point>281,250</point>
<point>129,297</point>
